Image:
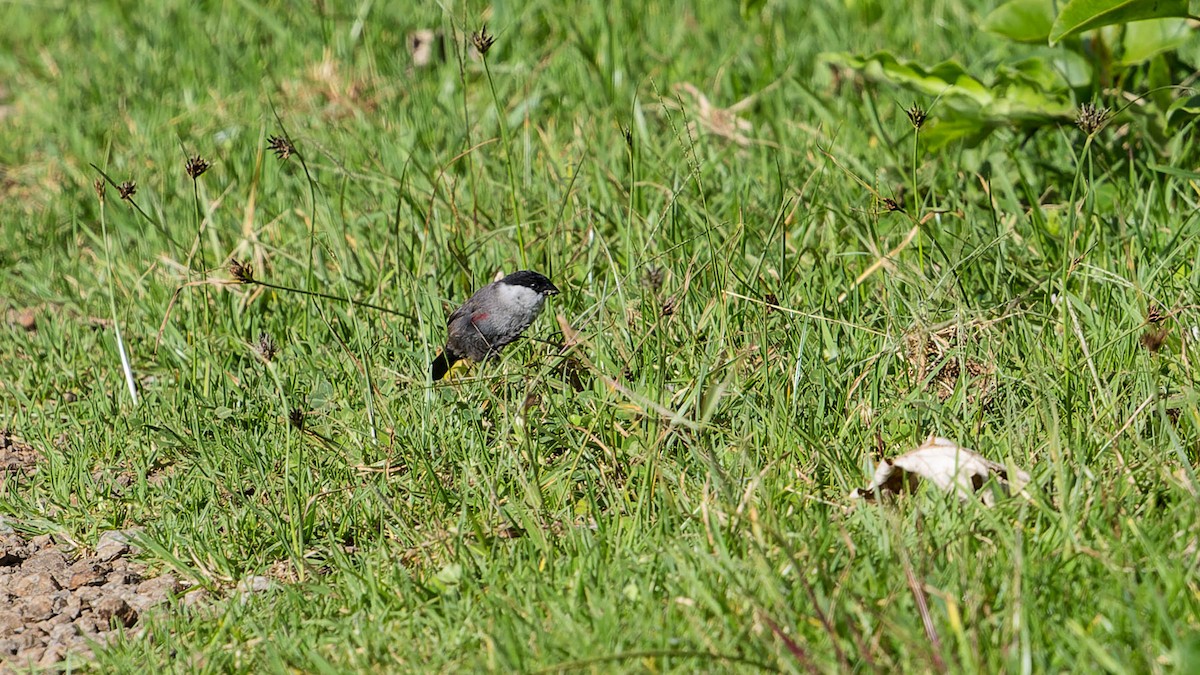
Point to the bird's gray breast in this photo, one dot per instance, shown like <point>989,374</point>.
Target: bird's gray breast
<point>496,316</point>
<point>523,306</point>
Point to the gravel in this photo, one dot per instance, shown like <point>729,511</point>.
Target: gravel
<point>52,608</point>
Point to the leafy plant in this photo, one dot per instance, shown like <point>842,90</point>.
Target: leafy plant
<point>1091,47</point>
<point>1029,93</point>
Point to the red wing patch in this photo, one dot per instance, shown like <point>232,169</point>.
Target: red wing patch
<point>479,316</point>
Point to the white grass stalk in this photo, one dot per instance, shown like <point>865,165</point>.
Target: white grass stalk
<point>112,305</point>
<point>124,357</point>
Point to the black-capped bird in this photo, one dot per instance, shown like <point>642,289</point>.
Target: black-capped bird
<point>495,316</point>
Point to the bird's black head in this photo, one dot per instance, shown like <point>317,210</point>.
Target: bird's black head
<point>532,281</point>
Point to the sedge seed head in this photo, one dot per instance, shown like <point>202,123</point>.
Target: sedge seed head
<point>483,40</point>
<point>127,190</point>
<point>1091,118</point>
<point>266,347</point>
<point>916,116</point>
<point>654,278</point>
<point>242,273</point>
<point>196,166</point>
<point>282,147</point>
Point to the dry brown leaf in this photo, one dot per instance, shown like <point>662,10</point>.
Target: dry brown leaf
<point>723,122</point>
<point>426,47</point>
<point>26,319</point>
<point>948,466</point>
<point>932,355</point>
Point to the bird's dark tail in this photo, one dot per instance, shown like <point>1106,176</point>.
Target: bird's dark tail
<point>441,365</point>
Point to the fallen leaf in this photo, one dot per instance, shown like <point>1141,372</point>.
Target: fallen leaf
<point>26,318</point>
<point>426,47</point>
<point>948,466</point>
<point>723,122</point>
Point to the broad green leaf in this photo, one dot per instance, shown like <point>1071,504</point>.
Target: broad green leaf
<point>322,393</point>
<point>1145,39</point>
<point>1018,102</point>
<point>1190,105</point>
<point>1084,15</point>
<point>947,79</point>
<point>1022,20</point>
<point>947,129</point>
<point>1052,73</point>
<point>1076,68</point>
<point>1160,81</point>
<point>1106,197</point>
<point>1189,51</point>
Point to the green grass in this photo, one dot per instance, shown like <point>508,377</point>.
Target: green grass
<point>693,518</point>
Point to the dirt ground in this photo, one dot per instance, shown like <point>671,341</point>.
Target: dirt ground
<point>51,606</point>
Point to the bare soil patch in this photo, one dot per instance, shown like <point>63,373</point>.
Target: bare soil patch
<point>53,608</point>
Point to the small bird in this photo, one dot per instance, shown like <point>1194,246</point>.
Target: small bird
<point>496,315</point>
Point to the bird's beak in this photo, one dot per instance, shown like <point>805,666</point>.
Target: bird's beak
<point>553,290</point>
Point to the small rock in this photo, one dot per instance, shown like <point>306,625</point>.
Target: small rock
<point>91,575</point>
<point>115,608</point>
<point>41,541</point>
<point>88,594</point>
<point>56,620</point>
<point>72,609</point>
<point>29,655</point>
<point>13,550</point>
<point>38,583</point>
<point>60,598</point>
<point>10,622</point>
<point>121,578</point>
<point>143,602</point>
<point>8,647</point>
<point>111,551</point>
<point>51,560</point>
<point>114,543</point>
<point>23,640</point>
<point>25,318</point>
<point>61,633</point>
<point>160,587</point>
<point>86,624</point>
<point>38,608</point>
<point>254,584</point>
<point>52,655</point>
<point>194,597</point>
